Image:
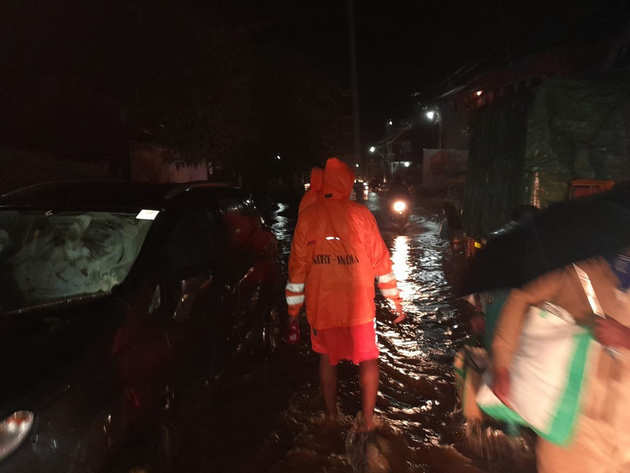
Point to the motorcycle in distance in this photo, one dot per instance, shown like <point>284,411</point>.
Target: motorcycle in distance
<point>399,208</point>
<point>398,204</point>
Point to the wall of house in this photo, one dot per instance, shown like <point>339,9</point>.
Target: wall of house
<point>443,167</point>
<point>455,126</point>
<point>152,163</point>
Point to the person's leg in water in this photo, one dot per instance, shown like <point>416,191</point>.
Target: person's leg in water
<point>368,372</point>
<point>328,379</point>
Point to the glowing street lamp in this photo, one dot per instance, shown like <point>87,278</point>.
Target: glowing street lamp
<point>434,117</point>
<point>373,149</point>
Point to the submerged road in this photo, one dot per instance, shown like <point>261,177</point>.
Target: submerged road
<point>268,418</point>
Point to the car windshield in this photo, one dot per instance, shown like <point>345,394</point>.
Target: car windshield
<point>48,256</point>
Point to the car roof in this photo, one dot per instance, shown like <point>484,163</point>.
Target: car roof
<point>114,195</point>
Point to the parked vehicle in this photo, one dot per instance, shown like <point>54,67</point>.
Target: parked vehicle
<point>376,185</point>
<point>360,190</point>
<point>114,297</point>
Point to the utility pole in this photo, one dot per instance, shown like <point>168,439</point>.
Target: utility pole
<point>355,89</point>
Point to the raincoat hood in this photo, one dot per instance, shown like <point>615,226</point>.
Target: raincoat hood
<point>338,180</point>
<point>317,179</point>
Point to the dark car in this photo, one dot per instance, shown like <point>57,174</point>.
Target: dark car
<point>114,297</point>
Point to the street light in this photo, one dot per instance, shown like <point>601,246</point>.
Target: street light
<point>356,165</point>
<point>373,149</point>
<point>278,157</point>
<point>434,116</point>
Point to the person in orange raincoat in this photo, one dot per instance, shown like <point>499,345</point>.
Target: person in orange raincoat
<point>315,191</point>
<point>336,253</point>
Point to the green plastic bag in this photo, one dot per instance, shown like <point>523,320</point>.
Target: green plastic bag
<point>546,376</point>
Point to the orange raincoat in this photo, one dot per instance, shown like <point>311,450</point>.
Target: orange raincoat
<point>315,191</point>
<point>336,254</point>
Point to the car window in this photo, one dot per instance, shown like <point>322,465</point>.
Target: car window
<point>237,203</point>
<point>240,218</point>
<point>51,256</point>
<point>192,244</point>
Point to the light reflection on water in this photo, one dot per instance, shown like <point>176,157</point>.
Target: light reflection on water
<point>282,229</point>
<point>402,268</point>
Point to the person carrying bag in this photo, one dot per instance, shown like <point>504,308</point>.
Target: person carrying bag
<point>550,369</point>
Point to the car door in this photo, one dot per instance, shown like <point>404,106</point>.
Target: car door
<point>251,254</point>
<point>192,292</point>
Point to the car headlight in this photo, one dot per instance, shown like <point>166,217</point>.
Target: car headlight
<point>13,431</point>
<point>399,206</point>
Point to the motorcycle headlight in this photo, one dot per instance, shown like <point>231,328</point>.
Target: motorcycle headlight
<point>399,206</point>
<point>13,431</point>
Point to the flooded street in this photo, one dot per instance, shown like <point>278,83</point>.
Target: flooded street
<point>270,416</point>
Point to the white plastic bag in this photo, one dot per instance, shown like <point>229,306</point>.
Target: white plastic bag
<point>546,375</point>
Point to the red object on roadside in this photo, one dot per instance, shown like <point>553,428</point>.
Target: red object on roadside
<point>293,335</point>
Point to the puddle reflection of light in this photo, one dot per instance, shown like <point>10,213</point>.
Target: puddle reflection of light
<point>281,228</point>
<point>400,258</point>
<point>402,268</point>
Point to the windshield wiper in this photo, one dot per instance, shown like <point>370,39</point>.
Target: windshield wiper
<point>55,303</point>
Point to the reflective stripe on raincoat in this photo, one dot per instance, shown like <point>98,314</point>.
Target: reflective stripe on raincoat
<point>337,252</point>
<point>315,191</point>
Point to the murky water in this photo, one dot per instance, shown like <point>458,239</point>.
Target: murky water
<point>270,419</point>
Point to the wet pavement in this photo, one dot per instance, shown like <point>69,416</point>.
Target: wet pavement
<point>268,417</point>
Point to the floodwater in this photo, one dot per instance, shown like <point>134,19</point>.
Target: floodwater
<point>269,417</point>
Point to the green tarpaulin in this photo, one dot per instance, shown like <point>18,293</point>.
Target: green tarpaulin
<point>530,145</point>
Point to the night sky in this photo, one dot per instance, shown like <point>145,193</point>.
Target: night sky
<point>114,52</point>
<point>412,46</point>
